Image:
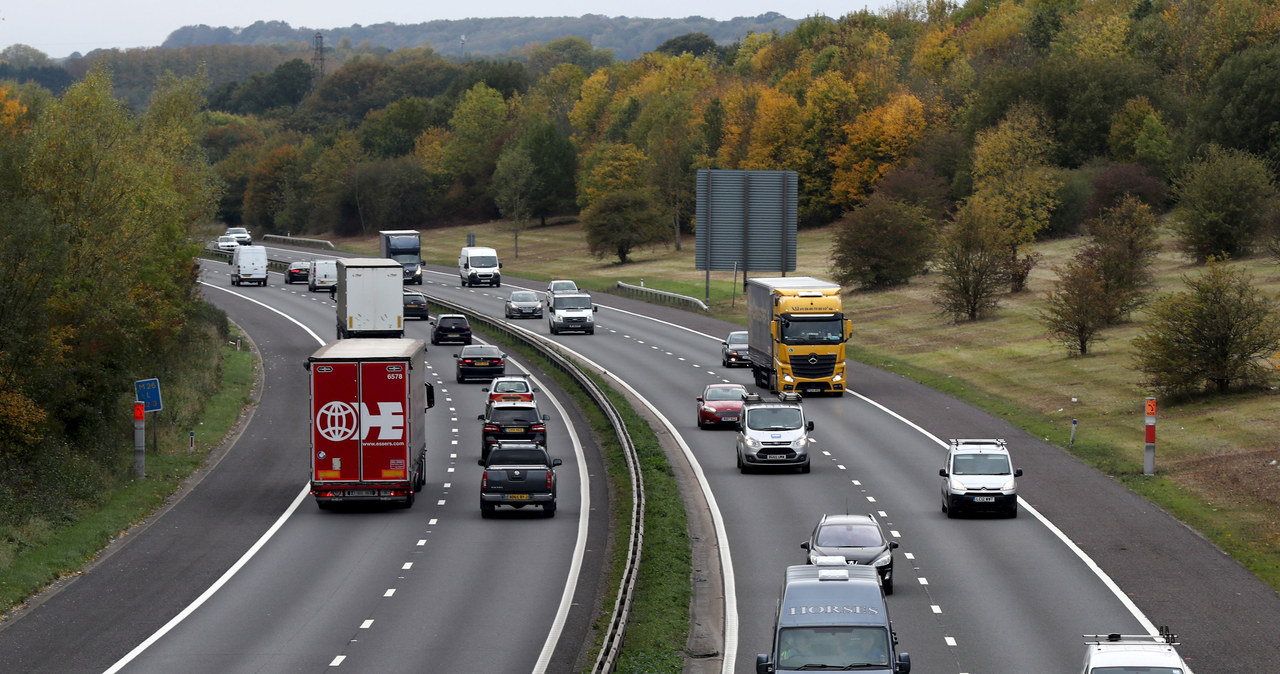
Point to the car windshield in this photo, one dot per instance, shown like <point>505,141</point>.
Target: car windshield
<point>837,647</point>
<point>483,261</point>
<point>723,393</point>
<point>237,230</point>
<point>523,296</point>
<point>573,302</point>
<point>737,339</point>
<point>980,464</point>
<point>226,238</point>
<point>849,536</point>
<point>774,419</point>
<point>511,387</point>
<point>519,415</point>
<point>825,330</point>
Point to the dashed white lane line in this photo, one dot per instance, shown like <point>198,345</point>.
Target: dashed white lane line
<point>337,661</point>
<point>951,641</point>
<point>935,608</point>
<point>390,591</point>
<point>923,580</point>
<point>407,566</point>
<point>422,542</point>
<point>871,499</point>
<point>366,624</point>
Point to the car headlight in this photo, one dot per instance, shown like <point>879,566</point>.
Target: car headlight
<point>1008,485</point>
<point>883,559</point>
<point>956,485</point>
<point>752,442</point>
<point>708,410</point>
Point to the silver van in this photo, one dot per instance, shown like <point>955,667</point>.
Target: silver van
<point>832,616</point>
<point>478,265</point>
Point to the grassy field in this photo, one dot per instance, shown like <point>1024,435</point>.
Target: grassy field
<point>1217,458</point>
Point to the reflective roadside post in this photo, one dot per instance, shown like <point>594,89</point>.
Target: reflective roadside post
<point>140,439</point>
<point>1149,454</point>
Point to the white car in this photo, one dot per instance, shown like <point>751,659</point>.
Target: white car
<point>240,234</point>
<point>561,285</point>
<point>1148,653</point>
<point>227,244</point>
<point>979,475</point>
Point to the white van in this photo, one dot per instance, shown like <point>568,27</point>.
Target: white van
<point>249,265</point>
<point>571,311</point>
<point>323,275</point>
<point>478,265</point>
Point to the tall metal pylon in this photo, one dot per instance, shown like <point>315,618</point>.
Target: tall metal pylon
<point>317,60</point>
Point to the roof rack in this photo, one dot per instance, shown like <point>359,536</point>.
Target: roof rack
<point>1163,636</point>
<point>789,397</point>
<point>961,442</point>
<point>751,398</point>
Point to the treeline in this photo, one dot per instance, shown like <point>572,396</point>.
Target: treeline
<point>626,37</point>
<point>97,266</point>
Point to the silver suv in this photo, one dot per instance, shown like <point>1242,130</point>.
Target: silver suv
<point>773,433</point>
<point>1133,653</point>
<point>979,475</point>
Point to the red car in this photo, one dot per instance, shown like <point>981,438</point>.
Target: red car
<point>720,404</point>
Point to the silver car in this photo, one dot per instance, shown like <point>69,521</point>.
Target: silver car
<point>979,475</point>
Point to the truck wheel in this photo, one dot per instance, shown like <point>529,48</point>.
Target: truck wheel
<point>408,500</point>
<point>324,505</point>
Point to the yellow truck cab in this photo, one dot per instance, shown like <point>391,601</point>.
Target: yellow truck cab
<point>796,332</point>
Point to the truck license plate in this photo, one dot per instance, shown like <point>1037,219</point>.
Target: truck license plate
<point>984,499</point>
<point>360,492</point>
<point>517,497</point>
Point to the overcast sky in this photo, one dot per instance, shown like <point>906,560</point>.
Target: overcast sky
<point>60,27</point>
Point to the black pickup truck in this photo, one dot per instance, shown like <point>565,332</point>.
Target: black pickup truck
<point>518,475</point>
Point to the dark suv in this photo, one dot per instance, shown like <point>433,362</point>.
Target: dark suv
<point>450,328</point>
<point>511,421</point>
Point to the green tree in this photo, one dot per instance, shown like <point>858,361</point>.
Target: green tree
<point>272,188</point>
<point>515,189</point>
<point>618,222</point>
<point>1076,309</point>
<point>1223,201</point>
<point>391,131</point>
<point>1217,334</point>
<point>689,43</point>
<point>608,168</point>
<point>478,130</point>
<point>882,243</point>
<point>1122,249</point>
<point>973,263</point>
<point>1241,105</point>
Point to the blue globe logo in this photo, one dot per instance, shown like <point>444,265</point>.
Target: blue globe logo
<point>337,421</point>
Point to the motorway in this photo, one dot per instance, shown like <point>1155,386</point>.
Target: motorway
<point>971,595</point>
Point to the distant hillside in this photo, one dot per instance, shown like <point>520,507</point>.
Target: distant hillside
<point>627,37</point>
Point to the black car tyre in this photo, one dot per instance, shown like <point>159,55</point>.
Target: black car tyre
<point>804,468</point>
<point>486,509</point>
<point>549,509</point>
<point>888,587</point>
<point>1013,510</point>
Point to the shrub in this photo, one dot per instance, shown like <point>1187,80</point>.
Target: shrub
<point>1224,200</point>
<point>882,243</point>
<point>973,262</point>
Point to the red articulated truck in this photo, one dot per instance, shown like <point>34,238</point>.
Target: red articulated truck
<point>369,398</point>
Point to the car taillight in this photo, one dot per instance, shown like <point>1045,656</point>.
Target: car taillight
<point>490,428</point>
<point>538,427</point>
<point>466,360</point>
<point>497,361</point>
<point>484,479</point>
<point>549,474</point>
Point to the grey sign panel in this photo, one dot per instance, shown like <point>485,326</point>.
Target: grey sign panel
<point>746,220</point>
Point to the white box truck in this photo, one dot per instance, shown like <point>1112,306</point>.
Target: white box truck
<point>370,298</point>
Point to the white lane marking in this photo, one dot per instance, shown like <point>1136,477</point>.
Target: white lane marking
<point>935,608</point>
<point>951,641</point>
<point>909,555</point>
<point>366,624</point>
<point>389,592</point>
<point>431,522</point>
<point>894,533</point>
<point>924,581</point>
<point>337,661</point>
<point>422,542</point>
<point>440,502</point>
<point>407,566</point>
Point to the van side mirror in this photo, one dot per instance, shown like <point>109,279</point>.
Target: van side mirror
<point>499,265</point>
<point>904,664</point>
<point>808,426</point>
<point>595,308</point>
<point>431,396</point>
<point>1017,472</point>
<point>942,472</point>
<point>804,545</point>
<point>763,666</point>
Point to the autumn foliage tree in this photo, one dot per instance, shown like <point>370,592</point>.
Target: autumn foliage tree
<point>617,223</point>
<point>972,263</point>
<point>882,243</point>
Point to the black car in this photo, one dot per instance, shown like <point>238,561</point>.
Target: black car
<point>857,538</point>
<point>480,360</point>
<point>450,328</point>
<point>733,350</point>
<point>415,305</point>
<point>298,271</point>
<point>511,421</point>
<point>523,304</point>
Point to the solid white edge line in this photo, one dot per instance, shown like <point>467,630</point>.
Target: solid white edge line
<point>244,559</point>
<point>579,547</point>
<point>217,585</point>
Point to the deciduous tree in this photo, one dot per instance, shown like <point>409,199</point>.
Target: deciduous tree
<point>617,223</point>
<point>882,243</point>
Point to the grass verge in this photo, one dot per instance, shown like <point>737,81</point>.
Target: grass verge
<point>63,551</point>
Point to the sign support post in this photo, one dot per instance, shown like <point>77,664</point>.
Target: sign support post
<point>1149,453</point>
